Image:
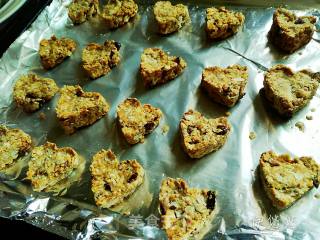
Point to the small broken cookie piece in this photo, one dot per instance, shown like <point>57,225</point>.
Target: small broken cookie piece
<point>80,11</point>
<point>117,13</point>
<point>286,180</point>
<point>98,60</point>
<point>14,143</point>
<point>112,182</point>
<point>49,165</point>
<point>225,85</point>
<point>201,135</point>
<point>53,51</point>
<point>31,91</point>
<point>157,67</point>
<point>137,120</point>
<point>290,32</point>
<point>222,23</point>
<point>289,91</point>
<point>185,211</point>
<point>170,18</point>
<point>77,108</point>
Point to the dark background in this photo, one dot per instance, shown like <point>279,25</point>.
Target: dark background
<point>9,31</point>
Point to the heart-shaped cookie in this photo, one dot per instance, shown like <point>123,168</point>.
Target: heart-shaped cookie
<point>286,180</point>
<point>200,135</point>
<point>49,165</point>
<point>289,91</point>
<point>137,120</point>
<point>289,32</point>
<point>170,18</point>
<point>185,211</point>
<point>157,67</point>
<point>113,182</point>
<point>14,143</point>
<point>76,108</point>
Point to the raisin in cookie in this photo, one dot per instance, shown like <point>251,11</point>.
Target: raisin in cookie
<point>98,60</point>
<point>170,18</point>
<point>53,51</point>
<point>113,182</point>
<point>32,91</point>
<point>14,143</point>
<point>289,32</point>
<point>77,108</point>
<point>222,23</point>
<point>137,120</point>
<point>117,13</point>
<point>80,11</point>
<point>201,135</point>
<point>157,67</point>
<point>185,211</point>
<point>225,85</point>
<point>289,91</point>
<point>286,180</point>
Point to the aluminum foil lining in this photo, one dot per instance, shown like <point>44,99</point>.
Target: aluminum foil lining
<point>243,209</point>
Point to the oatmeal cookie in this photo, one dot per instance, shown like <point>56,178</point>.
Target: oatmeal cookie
<point>157,67</point>
<point>185,211</point>
<point>14,143</point>
<point>170,18</point>
<point>117,13</point>
<point>98,60</point>
<point>225,85</point>
<point>77,108</point>
<point>201,135</point>
<point>289,91</point>
<point>222,23</point>
<point>80,11</point>
<point>53,51</point>
<point>286,180</point>
<point>290,32</point>
<point>32,91</point>
<point>113,182</point>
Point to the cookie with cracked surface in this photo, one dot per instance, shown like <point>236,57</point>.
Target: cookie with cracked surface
<point>113,181</point>
<point>137,120</point>
<point>157,67</point>
<point>222,23</point>
<point>225,85</point>
<point>98,60</point>
<point>201,135</point>
<point>14,144</point>
<point>289,91</point>
<point>290,32</point>
<point>80,11</point>
<point>286,180</point>
<point>54,51</point>
<point>116,13</point>
<point>77,108</point>
<point>31,91</point>
<point>170,18</point>
<point>185,211</point>
<point>49,165</point>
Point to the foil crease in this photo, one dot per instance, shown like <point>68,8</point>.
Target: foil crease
<point>243,209</point>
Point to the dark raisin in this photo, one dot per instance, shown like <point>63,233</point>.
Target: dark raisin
<point>172,207</point>
<point>118,45</point>
<point>316,183</point>
<point>211,201</point>
<point>224,130</point>
<point>189,129</point>
<point>316,76</point>
<point>177,60</point>
<point>162,210</point>
<point>107,187</point>
<point>149,126</point>
<point>31,95</point>
<point>132,177</point>
<point>299,21</point>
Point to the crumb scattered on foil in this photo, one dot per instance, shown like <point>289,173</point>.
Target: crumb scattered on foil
<point>165,129</point>
<point>313,109</point>
<point>300,126</point>
<point>42,116</point>
<point>309,117</point>
<point>228,114</point>
<point>317,195</point>
<point>252,135</point>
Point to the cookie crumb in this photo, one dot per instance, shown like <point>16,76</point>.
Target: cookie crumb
<point>228,114</point>
<point>309,117</point>
<point>42,116</point>
<point>300,125</point>
<point>165,129</point>
<point>252,135</point>
<point>317,195</point>
<point>313,109</point>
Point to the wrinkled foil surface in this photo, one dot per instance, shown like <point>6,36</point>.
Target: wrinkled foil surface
<point>243,211</point>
